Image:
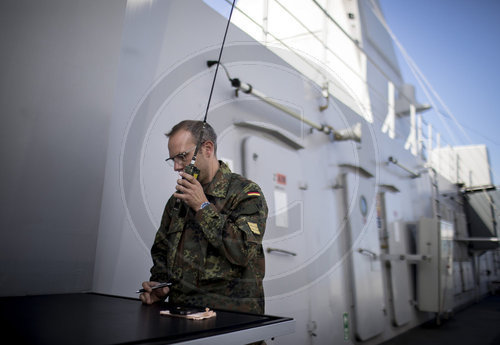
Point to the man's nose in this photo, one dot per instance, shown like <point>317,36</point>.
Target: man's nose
<point>178,166</point>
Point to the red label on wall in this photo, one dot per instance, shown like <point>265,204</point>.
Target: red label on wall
<point>280,179</point>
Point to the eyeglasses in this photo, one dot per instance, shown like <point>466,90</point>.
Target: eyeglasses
<point>179,158</point>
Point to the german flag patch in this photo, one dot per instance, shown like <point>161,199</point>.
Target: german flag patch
<point>253,194</point>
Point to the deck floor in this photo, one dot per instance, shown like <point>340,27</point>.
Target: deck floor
<point>478,324</point>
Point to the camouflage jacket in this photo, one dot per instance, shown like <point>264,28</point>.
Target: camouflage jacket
<point>214,256</point>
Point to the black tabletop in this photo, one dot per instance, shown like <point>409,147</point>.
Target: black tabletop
<point>89,318</point>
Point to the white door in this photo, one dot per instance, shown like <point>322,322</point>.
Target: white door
<point>365,267</point>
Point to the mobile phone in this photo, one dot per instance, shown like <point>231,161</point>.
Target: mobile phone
<point>185,310</point>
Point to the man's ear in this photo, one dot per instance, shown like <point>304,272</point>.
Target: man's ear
<point>209,148</point>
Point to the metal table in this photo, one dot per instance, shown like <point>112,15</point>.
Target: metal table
<point>89,318</point>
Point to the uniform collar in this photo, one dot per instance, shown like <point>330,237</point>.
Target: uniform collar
<point>220,183</point>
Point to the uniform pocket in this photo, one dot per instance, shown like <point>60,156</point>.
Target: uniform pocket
<point>217,267</point>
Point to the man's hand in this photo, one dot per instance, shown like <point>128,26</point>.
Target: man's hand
<point>151,296</point>
<point>192,191</point>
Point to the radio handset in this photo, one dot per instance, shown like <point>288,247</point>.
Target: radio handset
<point>179,206</point>
<point>192,170</point>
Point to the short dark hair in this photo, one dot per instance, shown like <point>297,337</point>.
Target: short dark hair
<point>195,128</point>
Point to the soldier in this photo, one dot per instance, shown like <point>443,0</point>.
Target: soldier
<point>213,253</point>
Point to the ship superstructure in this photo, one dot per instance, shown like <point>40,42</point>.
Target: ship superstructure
<point>375,225</point>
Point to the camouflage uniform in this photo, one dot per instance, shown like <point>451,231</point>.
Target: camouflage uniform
<point>214,256</point>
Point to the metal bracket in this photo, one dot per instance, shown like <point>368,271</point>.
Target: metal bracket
<point>405,257</point>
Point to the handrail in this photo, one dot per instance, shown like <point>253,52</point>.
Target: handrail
<point>395,162</point>
<point>353,133</point>
<point>281,251</point>
<point>367,252</point>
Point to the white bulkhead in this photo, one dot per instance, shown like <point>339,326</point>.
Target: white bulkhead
<point>342,238</point>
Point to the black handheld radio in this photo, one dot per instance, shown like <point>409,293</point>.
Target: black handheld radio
<point>191,169</point>
<point>180,206</point>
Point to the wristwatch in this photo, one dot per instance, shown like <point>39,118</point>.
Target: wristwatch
<point>204,204</point>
